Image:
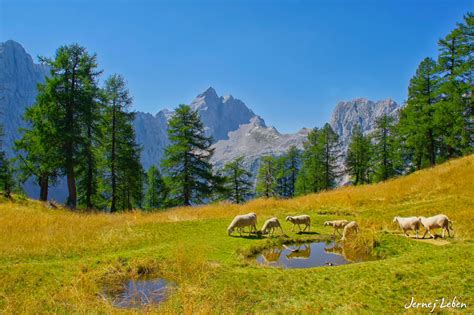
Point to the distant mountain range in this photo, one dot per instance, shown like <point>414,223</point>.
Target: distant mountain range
<point>235,128</point>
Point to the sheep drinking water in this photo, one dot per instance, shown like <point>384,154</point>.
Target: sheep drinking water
<point>270,226</point>
<point>336,224</point>
<point>349,228</point>
<point>241,221</point>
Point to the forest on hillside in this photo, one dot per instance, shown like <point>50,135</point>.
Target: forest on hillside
<point>81,128</point>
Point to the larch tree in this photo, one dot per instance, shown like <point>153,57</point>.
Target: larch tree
<point>237,184</point>
<point>358,158</point>
<point>417,124</point>
<point>156,191</point>
<point>186,162</point>
<point>266,177</point>
<point>124,172</point>
<point>67,93</point>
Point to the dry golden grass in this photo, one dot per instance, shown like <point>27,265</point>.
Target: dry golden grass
<point>55,260</point>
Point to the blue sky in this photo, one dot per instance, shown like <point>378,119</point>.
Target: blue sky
<point>290,61</point>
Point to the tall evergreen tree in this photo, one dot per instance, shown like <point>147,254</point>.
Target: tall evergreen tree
<point>358,159</point>
<point>90,119</point>
<point>124,173</point>
<point>266,177</point>
<point>386,149</point>
<point>38,150</point>
<point>293,168</point>
<point>67,93</point>
<point>455,113</point>
<point>186,163</point>
<point>237,186</point>
<point>417,126</point>
<point>320,158</point>
<point>156,190</point>
<point>330,156</point>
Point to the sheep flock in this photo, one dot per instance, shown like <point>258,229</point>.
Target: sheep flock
<point>240,222</point>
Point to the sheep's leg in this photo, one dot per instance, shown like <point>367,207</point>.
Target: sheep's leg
<point>447,229</point>
<point>442,235</point>
<point>293,228</point>
<point>424,234</point>
<point>429,231</point>
<point>282,233</point>
<point>299,227</point>
<point>416,231</point>
<point>406,233</point>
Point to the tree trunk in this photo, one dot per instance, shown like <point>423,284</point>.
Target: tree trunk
<point>44,185</point>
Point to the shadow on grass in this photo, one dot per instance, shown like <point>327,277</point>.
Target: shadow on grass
<point>309,233</point>
<point>249,236</point>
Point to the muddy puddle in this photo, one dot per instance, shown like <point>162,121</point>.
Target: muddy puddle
<point>140,293</point>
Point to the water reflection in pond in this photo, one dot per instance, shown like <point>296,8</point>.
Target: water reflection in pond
<point>141,293</point>
<point>308,255</point>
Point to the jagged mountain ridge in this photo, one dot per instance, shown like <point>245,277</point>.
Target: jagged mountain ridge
<point>362,112</point>
<point>219,114</point>
<point>237,130</point>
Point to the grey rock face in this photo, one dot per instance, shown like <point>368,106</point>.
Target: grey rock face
<point>361,112</point>
<point>19,76</point>
<point>235,128</point>
<point>151,134</point>
<point>219,114</point>
<point>253,141</point>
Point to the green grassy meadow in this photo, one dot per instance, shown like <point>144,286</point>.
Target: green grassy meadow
<point>58,261</point>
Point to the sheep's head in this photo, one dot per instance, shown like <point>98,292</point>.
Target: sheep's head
<point>326,223</point>
<point>230,230</point>
<point>395,219</point>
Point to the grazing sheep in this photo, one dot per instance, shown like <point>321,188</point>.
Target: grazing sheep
<point>350,227</point>
<point>300,219</point>
<point>408,224</point>
<point>241,221</point>
<point>336,224</point>
<point>437,221</point>
<point>270,226</point>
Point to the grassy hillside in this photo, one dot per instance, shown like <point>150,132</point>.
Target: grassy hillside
<point>59,261</point>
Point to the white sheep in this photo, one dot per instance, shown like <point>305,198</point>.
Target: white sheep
<point>437,221</point>
<point>270,226</point>
<point>350,227</point>
<point>300,219</point>
<point>241,221</point>
<point>336,224</point>
<point>408,224</point>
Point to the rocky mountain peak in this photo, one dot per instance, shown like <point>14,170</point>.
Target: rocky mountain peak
<point>362,112</point>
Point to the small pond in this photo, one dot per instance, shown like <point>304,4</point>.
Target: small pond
<point>307,255</point>
<point>141,293</point>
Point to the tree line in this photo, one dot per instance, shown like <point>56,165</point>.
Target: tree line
<point>82,130</point>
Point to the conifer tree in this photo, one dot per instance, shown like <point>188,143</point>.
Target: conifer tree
<point>293,168</point>
<point>156,190</point>
<point>417,125</point>
<point>124,173</point>
<point>38,150</point>
<point>454,115</point>
<point>387,161</point>
<point>237,184</point>
<point>186,162</point>
<point>266,177</point>
<point>358,159</point>
<point>67,93</point>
